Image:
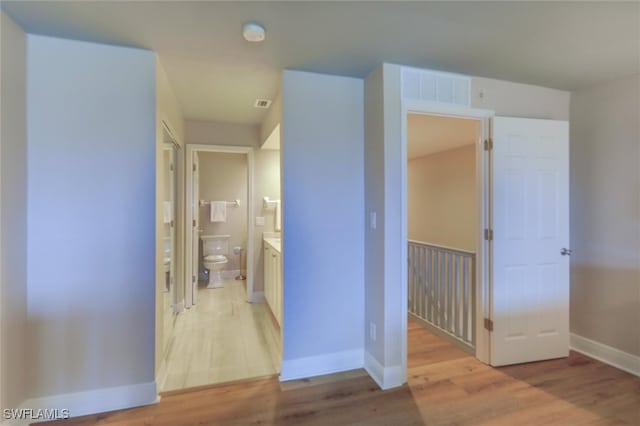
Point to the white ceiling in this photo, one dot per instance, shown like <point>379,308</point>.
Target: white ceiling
<point>430,134</point>
<point>217,75</point>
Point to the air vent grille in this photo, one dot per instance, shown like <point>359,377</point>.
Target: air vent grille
<point>262,103</point>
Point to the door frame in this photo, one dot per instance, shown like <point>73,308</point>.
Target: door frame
<point>484,216</point>
<point>191,149</point>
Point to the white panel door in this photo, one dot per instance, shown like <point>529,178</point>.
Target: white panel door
<point>530,291</point>
<point>195,225</point>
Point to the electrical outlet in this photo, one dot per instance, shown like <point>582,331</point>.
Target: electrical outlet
<point>372,331</point>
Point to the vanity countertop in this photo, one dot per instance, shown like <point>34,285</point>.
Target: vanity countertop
<point>275,243</point>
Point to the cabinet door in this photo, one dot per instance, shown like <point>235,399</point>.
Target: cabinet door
<point>267,275</point>
<point>278,287</point>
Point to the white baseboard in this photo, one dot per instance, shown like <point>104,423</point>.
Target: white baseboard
<point>98,400</point>
<point>385,377</point>
<point>257,297</point>
<point>607,354</point>
<point>335,362</point>
<point>163,372</point>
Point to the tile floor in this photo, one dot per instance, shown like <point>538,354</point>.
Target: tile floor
<point>223,338</point>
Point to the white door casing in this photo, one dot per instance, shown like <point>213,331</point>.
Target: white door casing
<point>195,234</point>
<point>192,225</point>
<point>530,223</point>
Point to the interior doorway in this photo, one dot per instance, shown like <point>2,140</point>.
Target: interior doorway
<point>443,224</point>
<point>472,271</point>
<point>241,183</point>
<point>521,258</point>
<point>222,336</point>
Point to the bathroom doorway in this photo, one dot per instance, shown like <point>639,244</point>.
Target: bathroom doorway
<point>226,333</point>
<point>232,168</point>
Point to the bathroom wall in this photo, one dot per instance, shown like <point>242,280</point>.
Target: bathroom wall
<point>13,214</point>
<point>441,198</point>
<point>91,126</point>
<point>266,170</point>
<point>223,177</point>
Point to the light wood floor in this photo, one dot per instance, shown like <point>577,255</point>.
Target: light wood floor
<point>222,338</point>
<point>446,387</point>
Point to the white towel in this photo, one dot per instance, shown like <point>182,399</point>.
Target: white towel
<point>218,211</point>
<point>167,211</point>
<point>278,216</point>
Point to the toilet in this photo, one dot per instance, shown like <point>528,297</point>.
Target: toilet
<point>215,249</point>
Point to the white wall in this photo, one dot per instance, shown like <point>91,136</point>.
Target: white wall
<point>91,220</point>
<point>383,166</point>
<point>272,118</point>
<point>519,100</point>
<point>384,244</point>
<point>13,214</point>
<point>442,199</point>
<point>374,170</point>
<point>266,172</point>
<point>605,213</point>
<point>323,223</point>
<point>215,133</point>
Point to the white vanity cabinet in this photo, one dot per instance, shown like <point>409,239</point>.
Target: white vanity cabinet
<point>273,278</point>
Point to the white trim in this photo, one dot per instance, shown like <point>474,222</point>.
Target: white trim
<point>483,184</point>
<point>385,377</point>
<point>248,151</point>
<point>258,297</point>
<point>163,372</point>
<point>604,353</point>
<point>98,400</point>
<point>319,365</point>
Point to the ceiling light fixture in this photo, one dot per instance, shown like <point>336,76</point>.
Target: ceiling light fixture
<point>253,32</point>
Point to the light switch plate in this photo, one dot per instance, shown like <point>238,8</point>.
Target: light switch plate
<point>259,220</point>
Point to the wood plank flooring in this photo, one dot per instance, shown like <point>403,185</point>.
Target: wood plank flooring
<point>222,338</point>
<point>446,387</point>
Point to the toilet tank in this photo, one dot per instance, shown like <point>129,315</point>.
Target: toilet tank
<point>215,244</point>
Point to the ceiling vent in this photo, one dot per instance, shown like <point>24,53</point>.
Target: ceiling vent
<point>262,103</point>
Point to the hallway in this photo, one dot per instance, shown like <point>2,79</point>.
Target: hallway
<point>223,338</point>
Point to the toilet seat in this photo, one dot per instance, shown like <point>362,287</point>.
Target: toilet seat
<point>218,258</point>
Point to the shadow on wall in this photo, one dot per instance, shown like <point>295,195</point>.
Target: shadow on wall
<point>95,350</point>
<point>606,302</point>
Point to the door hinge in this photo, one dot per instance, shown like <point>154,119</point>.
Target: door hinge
<point>488,234</point>
<point>172,224</point>
<point>194,223</point>
<point>171,167</point>
<point>193,279</point>
<point>488,144</point>
<point>194,168</point>
<point>488,324</point>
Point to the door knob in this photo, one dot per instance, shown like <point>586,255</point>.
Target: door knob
<point>566,252</point>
